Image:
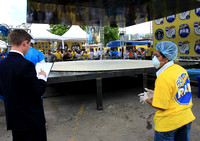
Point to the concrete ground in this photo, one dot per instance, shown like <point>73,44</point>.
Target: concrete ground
<point>71,114</point>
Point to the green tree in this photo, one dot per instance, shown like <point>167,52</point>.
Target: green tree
<point>61,29</point>
<point>83,27</point>
<point>110,34</point>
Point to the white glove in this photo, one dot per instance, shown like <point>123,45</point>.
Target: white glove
<point>143,97</point>
<point>149,93</point>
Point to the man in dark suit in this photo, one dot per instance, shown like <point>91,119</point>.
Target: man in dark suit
<point>22,91</point>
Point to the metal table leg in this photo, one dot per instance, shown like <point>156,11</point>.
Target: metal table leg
<point>144,80</point>
<point>99,94</point>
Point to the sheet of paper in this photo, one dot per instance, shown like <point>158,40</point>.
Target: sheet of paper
<point>44,66</point>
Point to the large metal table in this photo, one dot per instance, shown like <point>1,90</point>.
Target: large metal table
<point>65,76</point>
<point>70,76</point>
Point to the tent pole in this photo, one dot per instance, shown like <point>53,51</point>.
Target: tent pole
<point>63,47</point>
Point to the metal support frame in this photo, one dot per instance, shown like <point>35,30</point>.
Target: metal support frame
<point>188,58</point>
<point>61,77</point>
<point>122,34</point>
<point>101,29</point>
<point>99,94</point>
<point>144,79</point>
<point>99,100</point>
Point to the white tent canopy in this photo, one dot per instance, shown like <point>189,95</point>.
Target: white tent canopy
<point>39,33</point>
<point>75,34</point>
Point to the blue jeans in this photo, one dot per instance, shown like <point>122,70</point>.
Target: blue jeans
<point>180,134</point>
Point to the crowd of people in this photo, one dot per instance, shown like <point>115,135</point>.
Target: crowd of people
<point>81,54</point>
<point>96,54</point>
<point>68,55</point>
<point>138,54</point>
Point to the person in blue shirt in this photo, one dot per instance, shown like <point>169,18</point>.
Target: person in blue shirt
<point>115,54</point>
<point>111,53</point>
<point>35,56</point>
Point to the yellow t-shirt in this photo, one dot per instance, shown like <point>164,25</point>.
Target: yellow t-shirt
<point>85,56</point>
<point>173,93</point>
<point>73,54</point>
<point>58,55</point>
<point>149,51</point>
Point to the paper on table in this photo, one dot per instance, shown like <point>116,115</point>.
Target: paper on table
<point>43,66</point>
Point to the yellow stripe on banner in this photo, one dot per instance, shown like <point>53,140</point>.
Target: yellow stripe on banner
<point>77,122</point>
<point>196,126</point>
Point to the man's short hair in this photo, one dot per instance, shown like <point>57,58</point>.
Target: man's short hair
<point>17,36</point>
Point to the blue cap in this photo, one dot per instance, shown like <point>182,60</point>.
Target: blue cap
<point>168,49</point>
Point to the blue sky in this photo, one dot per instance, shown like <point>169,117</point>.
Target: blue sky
<point>13,12</point>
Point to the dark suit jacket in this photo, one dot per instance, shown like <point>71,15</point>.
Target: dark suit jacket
<point>22,92</point>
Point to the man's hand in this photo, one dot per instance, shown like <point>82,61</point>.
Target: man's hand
<point>42,73</point>
<point>143,97</point>
<point>149,93</point>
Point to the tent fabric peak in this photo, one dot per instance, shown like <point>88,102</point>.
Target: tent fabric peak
<point>75,34</point>
<point>41,34</point>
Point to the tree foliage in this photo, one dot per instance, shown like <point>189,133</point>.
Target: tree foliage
<point>110,34</point>
<point>61,29</point>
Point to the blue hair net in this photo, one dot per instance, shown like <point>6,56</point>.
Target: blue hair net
<point>168,49</point>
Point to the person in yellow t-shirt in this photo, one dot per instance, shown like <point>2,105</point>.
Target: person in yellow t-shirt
<point>58,54</point>
<point>149,52</point>
<point>171,97</point>
<point>73,53</point>
<point>86,56</point>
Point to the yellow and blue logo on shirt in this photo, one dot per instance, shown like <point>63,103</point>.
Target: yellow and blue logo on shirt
<point>183,96</point>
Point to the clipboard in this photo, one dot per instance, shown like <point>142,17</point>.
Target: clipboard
<point>44,66</point>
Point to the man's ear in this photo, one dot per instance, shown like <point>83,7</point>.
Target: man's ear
<point>24,43</point>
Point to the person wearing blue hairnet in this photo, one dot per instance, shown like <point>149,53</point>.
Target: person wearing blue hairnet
<point>35,56</point>
<point>171,97</point>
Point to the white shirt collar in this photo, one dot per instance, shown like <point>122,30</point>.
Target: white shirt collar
<point>164,67</point>
<point>17,52</point>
